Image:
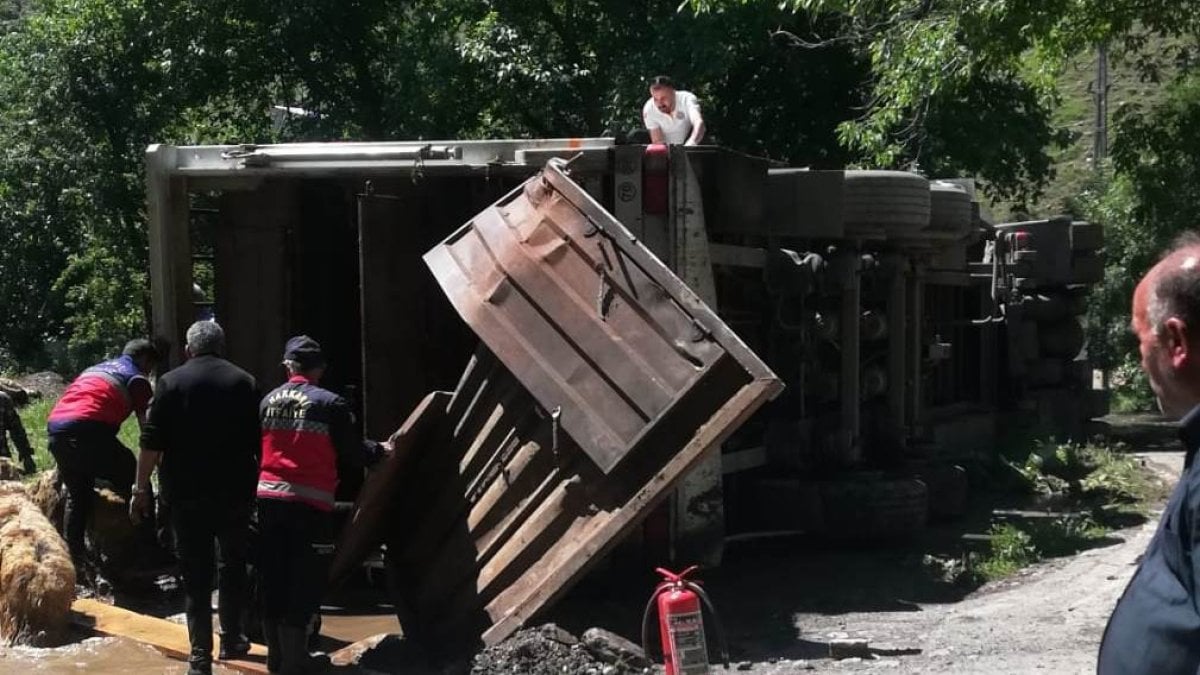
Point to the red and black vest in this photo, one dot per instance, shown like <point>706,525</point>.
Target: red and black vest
<point>299,460</point>
<point>101,394</point>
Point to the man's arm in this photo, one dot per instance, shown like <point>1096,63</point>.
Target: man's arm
<point>697,121</point>
<point>656,136</point>
<point>152,441</point>
<point>360,452</point>
<point>142,393</point>
<point>139,506</point>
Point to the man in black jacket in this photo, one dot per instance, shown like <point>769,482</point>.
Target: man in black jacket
<point>1155,628</point>
<point>203,426</point>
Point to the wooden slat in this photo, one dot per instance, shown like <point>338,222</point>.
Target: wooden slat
<point>378,493</point>
<point>169,638</point>
<point>511,609</point>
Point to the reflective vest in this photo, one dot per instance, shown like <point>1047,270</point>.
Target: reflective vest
<point>100,394</point>
<point>299,460</point>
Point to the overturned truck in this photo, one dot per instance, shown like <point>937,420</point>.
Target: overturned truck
<point>689,341</point>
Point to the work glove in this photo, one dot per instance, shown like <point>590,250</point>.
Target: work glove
<point>28,466</point>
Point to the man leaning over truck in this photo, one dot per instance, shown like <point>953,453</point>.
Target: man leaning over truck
<point>672,116</point>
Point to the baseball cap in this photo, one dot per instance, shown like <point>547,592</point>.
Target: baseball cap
<point>305,351</point>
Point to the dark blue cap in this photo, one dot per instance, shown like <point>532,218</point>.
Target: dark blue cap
<point>304,351</point>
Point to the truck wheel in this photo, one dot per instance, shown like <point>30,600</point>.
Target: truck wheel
<point>888,508</point>
<point>1087,269</point>
<point>896,201</point>
<point>947,484</point>
<point>1086,236</point>
<point>1046,373</point>
<point>1061,339</point>
<point>949,208</point>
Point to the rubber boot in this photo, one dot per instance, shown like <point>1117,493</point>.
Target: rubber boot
<point>274,648</point>
<point>293,643</point>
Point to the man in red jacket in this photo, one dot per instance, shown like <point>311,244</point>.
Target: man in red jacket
<point>83,428</point>
<point>305,430</point>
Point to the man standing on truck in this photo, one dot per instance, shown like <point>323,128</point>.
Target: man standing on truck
<point>10,424</point>
<point>83,428</point>
<point>203,425</point>
<point>1155,627</point>
<point>672,116</point>
<point>305,430</point>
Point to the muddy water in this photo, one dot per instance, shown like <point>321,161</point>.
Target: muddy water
<point>102,656</point>
<point>120,656</point>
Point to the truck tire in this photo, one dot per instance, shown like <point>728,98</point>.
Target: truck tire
<point>949,208</point>
<point>1087,269</point>
<point>1046,373</point>
<point>1061,339</point>
<point>1053,307</point>
<point>1097,403</point>
<point>895,201</point>
<point>888,508</point>
<point>1086,236</point>
<point>948,489</point>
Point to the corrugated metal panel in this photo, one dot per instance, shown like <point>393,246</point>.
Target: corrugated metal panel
<point>593,324</point>
<point>492,505</point>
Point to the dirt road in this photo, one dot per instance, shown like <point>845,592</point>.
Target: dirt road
<point>1048,619</point>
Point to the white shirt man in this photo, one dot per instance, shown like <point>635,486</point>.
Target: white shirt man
<point>672,116</point>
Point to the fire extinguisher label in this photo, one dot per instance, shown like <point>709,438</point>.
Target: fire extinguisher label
<point>687,643</point>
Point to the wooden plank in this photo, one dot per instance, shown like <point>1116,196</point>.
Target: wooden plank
<point>363,531</point>
<point>169,638</point>
<point>611,525</point>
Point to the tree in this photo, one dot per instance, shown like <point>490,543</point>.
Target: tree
<point>944,76</point>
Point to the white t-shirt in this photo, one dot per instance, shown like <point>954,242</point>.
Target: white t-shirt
<point>677,126</point>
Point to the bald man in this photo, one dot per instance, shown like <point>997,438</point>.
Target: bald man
<point>1155,627</point>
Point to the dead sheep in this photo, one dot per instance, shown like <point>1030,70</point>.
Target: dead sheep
<point>48,494</point>
<point>37,579</point>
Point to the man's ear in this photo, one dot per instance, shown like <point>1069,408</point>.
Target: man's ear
<point>1176,341</point>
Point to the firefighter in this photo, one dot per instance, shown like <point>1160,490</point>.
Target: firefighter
<point>203,426</point>
<point>305,431</point>
<point>83,428</point>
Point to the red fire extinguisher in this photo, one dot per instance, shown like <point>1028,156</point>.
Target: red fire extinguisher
<point>681,624</point>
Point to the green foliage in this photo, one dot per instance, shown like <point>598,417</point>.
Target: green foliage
<point>1149,199</point>
<point>1011,549</point>
<point>86,85</point>
<point>1091,473</point>
<point>942,71</point>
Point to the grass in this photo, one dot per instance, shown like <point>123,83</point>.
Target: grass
<point>34,415</point>
<point>1097,487</point>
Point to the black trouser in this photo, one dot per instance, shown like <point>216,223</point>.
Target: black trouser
<point>295,547</point>
<point>82,457</point>
<point>197,526</point>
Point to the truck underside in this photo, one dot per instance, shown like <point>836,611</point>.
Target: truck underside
<point>604,328</point>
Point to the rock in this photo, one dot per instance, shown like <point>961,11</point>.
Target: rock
<point>848,648</point>
<point>745,665</point>
<point>44,384</point>
<point>612,648</point>
<point>553,632</point>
